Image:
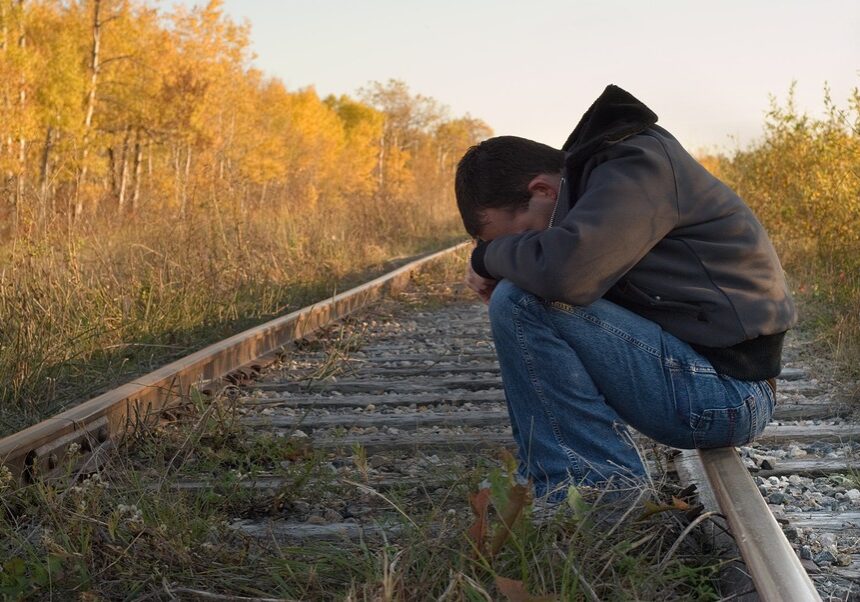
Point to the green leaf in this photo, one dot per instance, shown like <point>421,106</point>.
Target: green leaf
<point>579,506</point>
<point>15,566</point>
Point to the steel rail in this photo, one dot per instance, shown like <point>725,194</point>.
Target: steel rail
<point>98,423</point>
<point>774,566</point>
<point>102,421</point>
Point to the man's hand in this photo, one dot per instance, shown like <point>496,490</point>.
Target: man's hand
<point>482,286</point>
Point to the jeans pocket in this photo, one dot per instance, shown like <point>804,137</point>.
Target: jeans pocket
<point>727,427</point>
<point>691,388</point>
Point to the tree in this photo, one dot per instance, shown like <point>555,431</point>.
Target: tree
<point>407,120</point>
<point>363,126</point>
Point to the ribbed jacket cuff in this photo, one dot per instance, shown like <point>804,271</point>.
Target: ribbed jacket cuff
<point>478,259</point>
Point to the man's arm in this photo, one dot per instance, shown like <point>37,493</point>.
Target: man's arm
<point>630,203</point>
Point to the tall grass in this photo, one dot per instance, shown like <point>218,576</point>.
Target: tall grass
<point>82,310</point>
<point>802,178</point>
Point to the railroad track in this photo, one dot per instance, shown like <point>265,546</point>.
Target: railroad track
<point>403,392</point>
<point>424,388</point>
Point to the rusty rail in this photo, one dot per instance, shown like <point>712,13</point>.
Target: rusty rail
<point>775,569</point>
<point>103,420</point>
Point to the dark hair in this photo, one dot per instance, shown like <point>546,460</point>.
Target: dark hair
<point>496,173</point>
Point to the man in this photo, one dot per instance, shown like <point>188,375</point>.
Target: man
<point>626,285</point>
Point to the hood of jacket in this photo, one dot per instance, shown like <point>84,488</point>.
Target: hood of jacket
<point>614,116</point>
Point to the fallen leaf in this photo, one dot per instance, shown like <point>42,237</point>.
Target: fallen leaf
<point>517,498</point>
<point>652,508</point>
<point>680,504</point>
<point>478,531</point>
<point>508,461</point>
<point>515,591</point>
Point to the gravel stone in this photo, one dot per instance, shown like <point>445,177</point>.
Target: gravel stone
<point>824,557</point>
<point>379,461</point>
<point>828,501</point>
<point>333,516</point>
<point>776,498</point>
<point>810,566</point>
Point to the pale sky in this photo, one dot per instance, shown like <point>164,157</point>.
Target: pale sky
<point>531,68</point>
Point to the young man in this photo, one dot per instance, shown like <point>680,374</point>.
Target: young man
<point>626,285</point>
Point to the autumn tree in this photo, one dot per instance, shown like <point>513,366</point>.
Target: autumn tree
<point>133,110</point>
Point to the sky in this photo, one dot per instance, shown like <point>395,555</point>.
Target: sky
<point>531,68</point>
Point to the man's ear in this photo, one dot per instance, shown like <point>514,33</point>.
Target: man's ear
<point>544,184</point>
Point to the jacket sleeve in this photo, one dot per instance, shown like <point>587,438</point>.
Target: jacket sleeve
<point>629,204</point>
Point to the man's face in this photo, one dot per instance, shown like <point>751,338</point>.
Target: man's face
<point>502,221</point>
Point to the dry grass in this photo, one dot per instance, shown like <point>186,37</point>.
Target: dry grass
<point>82,312</point>
<point>131,535</point>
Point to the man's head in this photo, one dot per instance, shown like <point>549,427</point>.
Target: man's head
<point>506,185</point>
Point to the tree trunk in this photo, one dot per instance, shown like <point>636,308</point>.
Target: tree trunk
<point>4,28</point>
<point>22,103</point>
<point>5,136</point>
<point>95,63</point>
<point>123,170</point>
<point>136,171</point>
<point>183,205</point>
<point>114,181</point>
<point>44,173</point>
<point>177,196</point>
<point>380,164</point>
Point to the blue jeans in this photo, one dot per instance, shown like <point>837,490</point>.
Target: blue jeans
<point>574,377</point>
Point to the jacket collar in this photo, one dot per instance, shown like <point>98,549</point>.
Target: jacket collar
<point>614,116</point>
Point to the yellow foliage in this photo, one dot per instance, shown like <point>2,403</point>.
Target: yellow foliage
<point>803,181</point>
<point>166,114</point>
<point>803,178</point>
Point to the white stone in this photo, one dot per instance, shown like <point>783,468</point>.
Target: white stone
<point>827,540</point>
